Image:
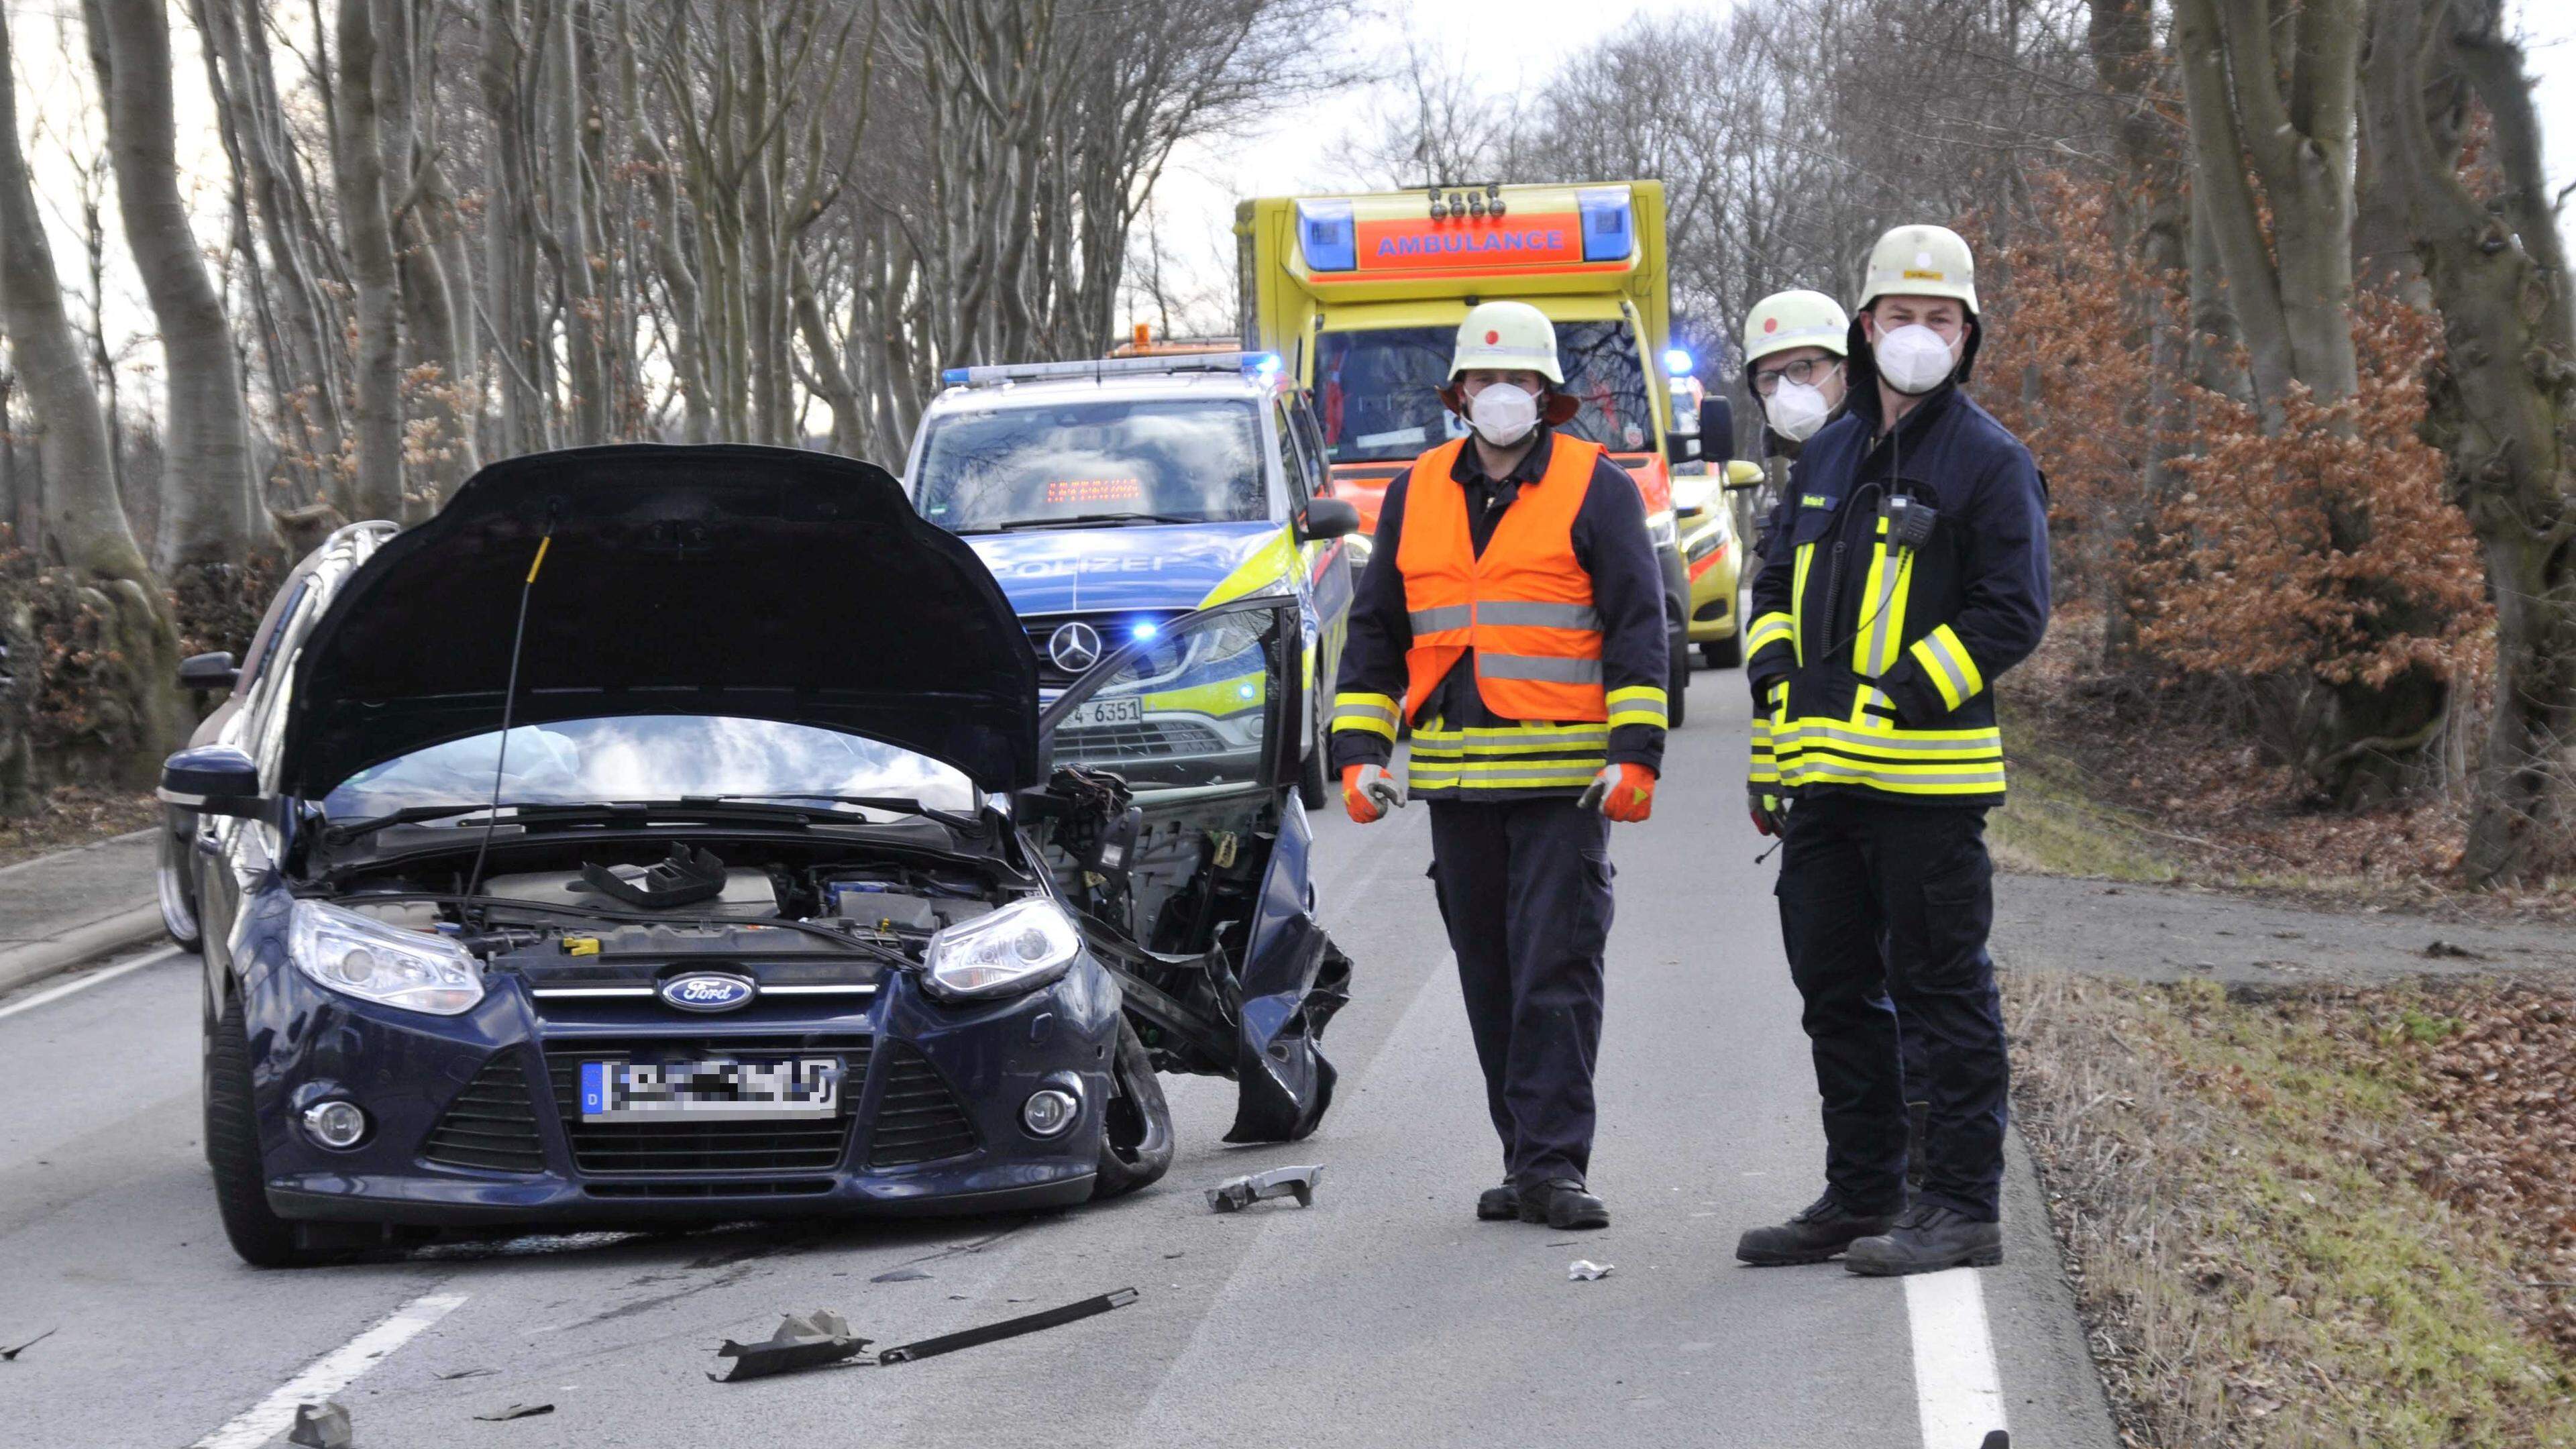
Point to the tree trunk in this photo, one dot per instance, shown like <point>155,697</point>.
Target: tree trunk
<point>209,507</point>
<point>377,491</point>
<point>85,528</point>
<point>2503,400</point>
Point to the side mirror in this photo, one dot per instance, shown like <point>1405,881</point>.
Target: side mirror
<point>1741,475</point>
<point>1680,447</point>
<point>1716,429</point>
<point>208,671</point>
<point>212,780</point>
<point>1329,518</point>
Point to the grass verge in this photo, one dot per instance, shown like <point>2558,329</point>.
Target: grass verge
<point>2330,1219</point>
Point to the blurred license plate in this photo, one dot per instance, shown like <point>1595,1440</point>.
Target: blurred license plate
<point>711,1091</point>
<point>1094,713</point>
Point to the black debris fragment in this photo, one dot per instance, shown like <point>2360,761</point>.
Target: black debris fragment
<point>516,1411</point>
<point>810,1341</point>
<point>2442,950</point>
<point>1996,1439</point>
<point>468,1373</point>
<point>901,1275</point>
<point>1008,1328</point>
<point>10,1355</point>
<point>321,1426</point>
<point>1243,1192</point>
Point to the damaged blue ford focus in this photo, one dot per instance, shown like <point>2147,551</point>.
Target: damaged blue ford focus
<point>668,834</point>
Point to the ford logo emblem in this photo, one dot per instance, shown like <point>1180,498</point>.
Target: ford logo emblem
<point>708,991</point>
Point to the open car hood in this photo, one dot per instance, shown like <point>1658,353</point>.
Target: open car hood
<point>768,583</point>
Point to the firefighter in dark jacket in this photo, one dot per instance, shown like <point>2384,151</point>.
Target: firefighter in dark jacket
<point>1911,570</point>
<point>1512,613</point>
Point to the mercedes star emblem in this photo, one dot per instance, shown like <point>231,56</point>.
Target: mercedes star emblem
<point>1074,647</point>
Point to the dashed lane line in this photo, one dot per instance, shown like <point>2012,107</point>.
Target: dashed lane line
<point>331,1373</point>
<point>1956,1392</point>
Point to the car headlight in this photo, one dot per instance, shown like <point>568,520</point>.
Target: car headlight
<point>1663,528</point>
<point>363,957</point>
<point>1020,947</point>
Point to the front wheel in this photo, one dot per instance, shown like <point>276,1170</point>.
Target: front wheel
<point>1313,791</point>
<point>258,1234</point>
<point>1726,653</point>
<point>1677,693</point>
<point>1136,1130</point>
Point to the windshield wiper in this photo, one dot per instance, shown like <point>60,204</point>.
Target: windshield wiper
<point>895,804</point>
<point>606,811</point>
<point>1086,520</point>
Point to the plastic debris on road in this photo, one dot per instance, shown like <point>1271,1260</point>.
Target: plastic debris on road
<point>901,1275</point>
<point>1584,1270</point>
<point>1007,1328</point>
<point>10,1355</point>
<point>810,1341</point>
<point>320,1426</point>
<point>1243,1192</point>
<point>517,1411</point>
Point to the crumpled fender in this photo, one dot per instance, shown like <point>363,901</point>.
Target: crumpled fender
<point>1294,979</point>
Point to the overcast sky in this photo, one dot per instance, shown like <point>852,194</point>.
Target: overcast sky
<point>1514,43</point>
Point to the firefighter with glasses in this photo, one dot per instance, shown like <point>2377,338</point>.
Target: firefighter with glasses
<point>1512,613</point>
<point>1909,568</point>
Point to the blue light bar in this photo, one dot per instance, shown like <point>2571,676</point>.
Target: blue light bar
<point>1263,365</point>
<point>1145,629</point>
<point>1609,226</point>
<point>954,377</point>
<point>1327,236</point>
<point>1677,363</point>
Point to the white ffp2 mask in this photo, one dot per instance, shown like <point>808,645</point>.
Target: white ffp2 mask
<point>1796,410</point>
<point>1503,414</point>
<point>1913,358</point>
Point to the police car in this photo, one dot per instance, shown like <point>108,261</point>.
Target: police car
<point>1110,498</point>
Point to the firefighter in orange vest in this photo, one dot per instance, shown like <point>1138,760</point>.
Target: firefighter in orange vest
<point>1512,613</point>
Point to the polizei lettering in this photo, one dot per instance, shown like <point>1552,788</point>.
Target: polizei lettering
<point>1533,239</point>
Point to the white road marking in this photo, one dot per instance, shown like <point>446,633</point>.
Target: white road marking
<point>1956,1393</point>
<point>330,1373</point>
<point>57,993</point>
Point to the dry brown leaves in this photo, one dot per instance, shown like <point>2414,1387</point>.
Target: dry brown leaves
<point>71,816</point>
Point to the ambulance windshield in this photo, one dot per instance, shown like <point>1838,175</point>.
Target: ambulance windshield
<point>1150,460</point>
<point>1378,389</point>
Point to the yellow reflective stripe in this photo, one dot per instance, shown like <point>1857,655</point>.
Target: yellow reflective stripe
<point>1928,780</point>
<point>1275,562</point>
<point>1375,713</point>
<point>1439,729</point>
<point>1769,629</point>
<point>1639,704</point>
<point>1945,662</point>
<point>1762,770</point>
<point>1886,592</point>
<point>1798,601</point>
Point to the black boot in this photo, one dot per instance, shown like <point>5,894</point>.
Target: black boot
<point>1562,1204</point>
<point>1498,1204</point>
<point>1928,1239</point>
<point>1816,1232</point>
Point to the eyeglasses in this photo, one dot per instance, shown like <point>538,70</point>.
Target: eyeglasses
<point>1805,372</point>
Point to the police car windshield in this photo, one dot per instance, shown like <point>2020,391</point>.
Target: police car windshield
<point>1142,460</point>
<point>1379,389</point>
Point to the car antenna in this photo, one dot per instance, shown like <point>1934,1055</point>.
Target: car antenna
<point>509,696</point>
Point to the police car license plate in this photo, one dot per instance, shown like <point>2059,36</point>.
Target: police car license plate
<point>1096,713</point>
<point>805,1087</point>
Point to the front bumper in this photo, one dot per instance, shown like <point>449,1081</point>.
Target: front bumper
<point>476,1122</point>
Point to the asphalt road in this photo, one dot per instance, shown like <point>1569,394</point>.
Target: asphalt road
<point>1384,1315</point>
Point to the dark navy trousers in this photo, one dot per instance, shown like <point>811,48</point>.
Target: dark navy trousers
<point>1524,888</point>
<point>1885,908</point>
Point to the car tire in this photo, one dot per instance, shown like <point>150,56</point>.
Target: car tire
<point>174,882</point>
<point>1727,653</point>
<point>1677,694</point>
<point>1136,1127</point>
<point>258,1234</point>
<point>1312,792</point>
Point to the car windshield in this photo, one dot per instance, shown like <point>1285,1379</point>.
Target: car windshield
<point>648,757</point>
<point>1183,460</point>
<point>1379,389</point>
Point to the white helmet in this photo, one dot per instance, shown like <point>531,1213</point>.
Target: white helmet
<point>1794,319</point>
<point>1921,261</point>
<point>1507,336</point>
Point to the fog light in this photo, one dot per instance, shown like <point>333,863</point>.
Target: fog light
<point>1048,1112</point>
<point>335,1124</point>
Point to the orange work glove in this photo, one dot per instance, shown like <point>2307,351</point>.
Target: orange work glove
<point>1369,791</point>
<point>1625,793</point>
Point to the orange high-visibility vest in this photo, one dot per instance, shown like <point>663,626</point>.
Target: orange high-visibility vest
<point>1525,605</point>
